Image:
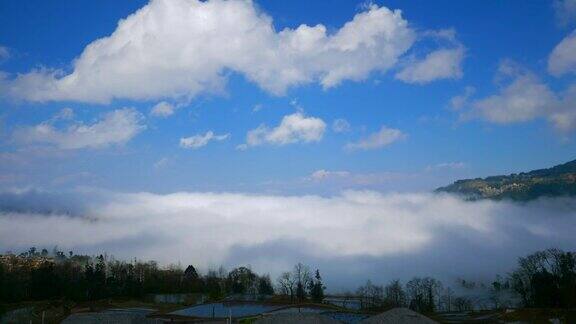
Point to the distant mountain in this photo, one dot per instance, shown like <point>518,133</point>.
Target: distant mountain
<point>553,182</point>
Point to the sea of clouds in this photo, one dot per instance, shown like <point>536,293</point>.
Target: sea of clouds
<point>350,237</point>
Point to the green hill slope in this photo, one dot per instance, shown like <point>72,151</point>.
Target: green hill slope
<point>553,182</point>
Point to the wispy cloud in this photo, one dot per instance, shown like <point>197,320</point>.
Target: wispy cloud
<point>446,165</point>
<point>440,64</point>
<point>341,125</point>
<point>565,11</point>
<point>163,162</point>
<point>4,53</point>
<point>562,60</point>
<point>114,128</point>
<point>384,137</point>
<point>198,141</point>
<point>443,63</point>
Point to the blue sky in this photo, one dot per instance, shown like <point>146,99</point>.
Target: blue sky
<point>291,130</point>
<point>52,35</point>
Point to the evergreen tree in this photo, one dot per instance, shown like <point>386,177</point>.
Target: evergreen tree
<point>190,273</point>
<point>317,288</point>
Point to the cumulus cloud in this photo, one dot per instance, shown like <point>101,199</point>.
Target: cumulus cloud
<point>341,125</point>
<point>181,48</point>
<point>443,63</point>
<point>294,128</point>
<point>524,97</point>
<point>163,109</point>
<point>114,128</point>
<point>562,60</point>
<point>440,64</point>
<point>198,141</point>
<point>564,115</point>
<point>565,11</point>
<point>411,234</point>
<point>384,137</point>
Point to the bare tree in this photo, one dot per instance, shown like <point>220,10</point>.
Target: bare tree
<point>302,278</point>
<point>394,294</point>
<point>446,299</point>
<point>462,304</point>
<point>286,284</point>
<point>371,295</point>
<point>423,293</point>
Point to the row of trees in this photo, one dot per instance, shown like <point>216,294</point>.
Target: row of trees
<point>424,295</point>
<point>428,295</point>
<point>542,279</point>
<point>37,275</point>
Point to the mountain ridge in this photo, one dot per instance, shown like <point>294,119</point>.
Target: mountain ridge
<point>559,180</point>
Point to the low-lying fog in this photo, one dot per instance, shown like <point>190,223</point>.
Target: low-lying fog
<point>350,237</point>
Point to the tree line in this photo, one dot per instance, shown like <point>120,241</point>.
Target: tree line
<point>421,294</point>
<point>542,279</point>
<point>40,275</point>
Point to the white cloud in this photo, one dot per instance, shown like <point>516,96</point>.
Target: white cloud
<point>331,181</point>
<point>198,141</point>
<point>181,48</point>
<point>563,118</point>
<point>340,125</point>
<point>523,97</point>
<point>386,136</point>
<point>451,165</point>
<point>163,109</point>
<point>446,165</point>
<point>345,180</point>
<point>562,60</point>
<point>337,181</point>
<point>116,127</point>
<point>64,114</point>
<point>447,35</point>
<point>361,226</point>
<point>257,107</point>
<point>320,175</point>
<point>461,101</point>
<point>565,11</point>
<point>163,162</point>
<point>294,128</point>
<point>440,64</point>
<point>4,53</point>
